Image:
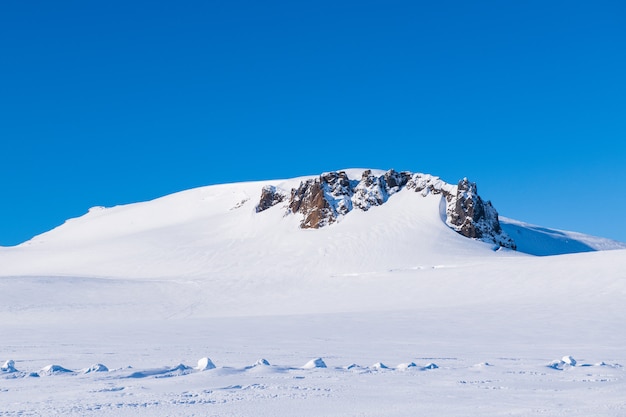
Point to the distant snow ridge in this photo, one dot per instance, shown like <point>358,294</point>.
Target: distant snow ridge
<point>324,200</point>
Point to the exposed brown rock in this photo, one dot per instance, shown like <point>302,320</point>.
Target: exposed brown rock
<point>309,200</point>
<point>270,196</point>
<point>322,201</point>
<point>470,216</point>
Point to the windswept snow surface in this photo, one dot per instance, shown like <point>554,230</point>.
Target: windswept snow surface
<point>542,241</point>
<point>175,300</point>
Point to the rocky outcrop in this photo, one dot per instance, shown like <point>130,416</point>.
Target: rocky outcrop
<point>325,200</point>
<point>270,196</point>
<point>370,191</point>
<point>322,200</point>
<point>469,215</point>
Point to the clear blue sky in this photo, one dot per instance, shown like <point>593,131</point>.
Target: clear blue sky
<point>112,102</point>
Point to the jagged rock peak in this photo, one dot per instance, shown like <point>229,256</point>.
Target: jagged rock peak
<point>468,214</point>
<point>324,200</point>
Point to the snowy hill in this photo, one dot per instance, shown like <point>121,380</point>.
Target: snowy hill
<point>220,229</point>
<point>387,307</point>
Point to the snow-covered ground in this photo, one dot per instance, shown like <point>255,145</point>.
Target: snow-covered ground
<point>407,316</point>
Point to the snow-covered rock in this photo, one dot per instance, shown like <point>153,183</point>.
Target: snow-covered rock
<point>469,215</point>
<point>569,360</point>
<point>8,366</point>
<point>324,200</point>
<point>270,196</point>
<point>315,363</point>
<point>564,363</point>
<point>205,364</point>
<point>406,366</point>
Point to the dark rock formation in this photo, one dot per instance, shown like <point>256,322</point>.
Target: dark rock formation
<point>370,191</point>
<point>469,215</point>
<point>396,180</point>
<point>324,200</point>
<point>270,196</point>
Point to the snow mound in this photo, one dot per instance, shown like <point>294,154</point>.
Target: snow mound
<point>430,366</point>
<point>406,366</point>
<point>562,364</point>
<point>53,370</point>
<point>379,366</point>
<point>98,367</point>
<point>180,367</point>
<point>8,366</point>
<point>315,363</point>
<point>569,360</point>
<point>482,365</point>
<point>205,364</point>
<point>261,362</point>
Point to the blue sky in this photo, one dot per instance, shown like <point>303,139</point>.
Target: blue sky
<point>106,103</point>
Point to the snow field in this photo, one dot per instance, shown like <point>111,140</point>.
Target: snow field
<point>467,360</point>
<point>193,304</point>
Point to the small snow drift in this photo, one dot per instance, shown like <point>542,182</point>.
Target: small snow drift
<point>8,366</point>
<point>315,363</point>
<point>562,364</point>
<point>179,369</point>
<point>205,364</point>
<point>379,366</point>
<point>98,367</point>
<point>405,366</point>
<point>54,370</point>
<point>261,362</point>
<point>482,365</point>
<point>569,360</point>
<point>430,366</point>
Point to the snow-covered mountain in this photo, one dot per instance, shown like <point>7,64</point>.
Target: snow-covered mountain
<point>369,292</point>
<point>363,220</point>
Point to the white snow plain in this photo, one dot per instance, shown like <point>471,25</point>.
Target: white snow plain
<point>194,304</point>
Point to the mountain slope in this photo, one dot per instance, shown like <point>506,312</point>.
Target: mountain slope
<point>216,230</point>
<point>542,241</point>
<point>220,230</point>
